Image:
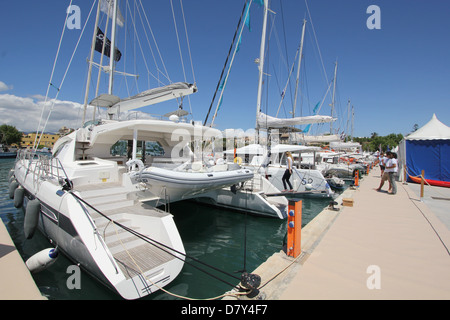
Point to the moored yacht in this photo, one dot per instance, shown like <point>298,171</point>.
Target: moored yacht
<point>100,207</point>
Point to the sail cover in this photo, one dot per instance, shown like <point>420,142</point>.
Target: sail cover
<point>146,98</point>
<point>266,121</point>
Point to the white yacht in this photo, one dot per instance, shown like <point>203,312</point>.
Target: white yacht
<point>99,208</point>
<point>262,195</point>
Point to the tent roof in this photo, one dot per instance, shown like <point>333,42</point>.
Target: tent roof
<point>433,130</point>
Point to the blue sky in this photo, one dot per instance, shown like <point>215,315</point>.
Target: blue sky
<point>395,77</point>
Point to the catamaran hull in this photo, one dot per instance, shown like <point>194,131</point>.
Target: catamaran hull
<point>74,232</point>
<point>307,182</point>
<point>61,231</point>
<point>243,201</point>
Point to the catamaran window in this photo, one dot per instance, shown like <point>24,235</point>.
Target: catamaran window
<point>154,148</point>
<point>119,148</point>
<point>123,148</point>
<point>60,149</point>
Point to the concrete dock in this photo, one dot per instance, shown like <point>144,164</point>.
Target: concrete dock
<point>16,282</point>
<point>384,247</point>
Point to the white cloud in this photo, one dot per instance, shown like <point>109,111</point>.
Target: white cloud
<point>4,86</point>
<point>24,113</point>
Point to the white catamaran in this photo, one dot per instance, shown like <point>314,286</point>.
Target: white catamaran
<point>99,208</point>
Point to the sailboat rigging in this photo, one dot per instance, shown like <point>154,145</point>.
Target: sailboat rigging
<point>90,197</point>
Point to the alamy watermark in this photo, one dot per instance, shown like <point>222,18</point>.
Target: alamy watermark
<point>73,17</point>
<point>374,280</point>
<point>374,20</point>
<point>74,280</point>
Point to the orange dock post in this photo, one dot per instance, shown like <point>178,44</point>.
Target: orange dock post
<point>294,236</point>
<point>357,178</point>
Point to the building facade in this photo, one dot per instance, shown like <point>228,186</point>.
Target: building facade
<point>47,140</point>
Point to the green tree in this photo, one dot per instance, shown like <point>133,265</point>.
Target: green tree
<point>10,135</point>
<point>373,143</point>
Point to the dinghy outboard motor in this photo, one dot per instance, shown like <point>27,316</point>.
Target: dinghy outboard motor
<point>42,260</point>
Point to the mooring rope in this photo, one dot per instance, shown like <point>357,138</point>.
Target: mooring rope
<point>168,250</point>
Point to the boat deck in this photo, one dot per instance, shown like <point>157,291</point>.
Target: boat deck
<point>133,254</point>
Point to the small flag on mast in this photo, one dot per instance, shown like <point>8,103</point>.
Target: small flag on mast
<point>106,6</point>
<point>99,46</point>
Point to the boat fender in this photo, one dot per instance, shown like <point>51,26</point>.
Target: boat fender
<point>12,178</point>
<point>31,218</point>
<point>238,160</point>
<point>12,188</point>
<point>18,197</point>
<point>308,187</point>
<point>42,260</point>
<point>11,173</point>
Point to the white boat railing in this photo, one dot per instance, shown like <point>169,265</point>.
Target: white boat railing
<point>43,168</point>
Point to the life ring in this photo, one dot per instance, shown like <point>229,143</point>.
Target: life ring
<point>238,160</point>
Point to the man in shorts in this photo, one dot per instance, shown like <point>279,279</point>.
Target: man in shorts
<point>391,169</point>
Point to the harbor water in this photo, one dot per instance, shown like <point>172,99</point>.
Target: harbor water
<point>225,239</point>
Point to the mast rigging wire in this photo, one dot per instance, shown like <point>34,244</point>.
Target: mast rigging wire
<point>225,64</point>
<point>64,77</point>
<point>51,76</point>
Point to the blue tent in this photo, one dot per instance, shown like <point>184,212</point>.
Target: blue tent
<point>428,149</point>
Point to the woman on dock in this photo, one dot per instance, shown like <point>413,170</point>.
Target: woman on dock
<point>287,174</point>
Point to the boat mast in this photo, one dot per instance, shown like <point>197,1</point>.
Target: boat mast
<point>353,118</point>
<point>348,117</point>
<point>333,99</point>
<point>113,47</point>
<point>298,68</point>
<point>261,65</point>
<point>94,37</point>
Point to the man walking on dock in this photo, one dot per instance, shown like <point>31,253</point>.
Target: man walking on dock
<point>391,169</point>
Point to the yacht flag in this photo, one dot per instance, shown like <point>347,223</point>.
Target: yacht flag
<point>99,45</point>
<point>106,6</point>
<point>308,127</point>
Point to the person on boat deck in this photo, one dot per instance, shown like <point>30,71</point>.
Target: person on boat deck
<point>391,169</point>
<point>288,172</point>
<point>384,174</point>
